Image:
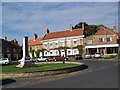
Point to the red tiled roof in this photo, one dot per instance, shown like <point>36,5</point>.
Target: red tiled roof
<point>67,33</point>
<point>33,42</point>
<point>104,31</point>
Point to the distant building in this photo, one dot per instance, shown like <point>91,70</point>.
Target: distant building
<point>10,49</point>
<point>118,37</point>
<point>68,38</point>
<point>34,44</point>
<point>103,41</point>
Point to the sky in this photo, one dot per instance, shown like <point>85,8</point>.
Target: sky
<point>27,18</point>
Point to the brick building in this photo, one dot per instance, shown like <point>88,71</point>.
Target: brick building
<point>68,38</point>
<point>103,41</point>
<point>34,44</point>
<point>10,49</point>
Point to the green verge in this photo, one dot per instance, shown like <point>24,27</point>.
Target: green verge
<point>40,67</point>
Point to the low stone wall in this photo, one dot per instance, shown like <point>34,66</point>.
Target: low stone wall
<point>46,72</point>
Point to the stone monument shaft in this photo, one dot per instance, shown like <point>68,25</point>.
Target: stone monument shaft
<point>25,47</point>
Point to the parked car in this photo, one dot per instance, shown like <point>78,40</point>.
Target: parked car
<point>59,58</point>
<point>77,57</point>
<point>87,56</point>
<point>97,55</point>
<point>4,61</point>
<point>41,59</point>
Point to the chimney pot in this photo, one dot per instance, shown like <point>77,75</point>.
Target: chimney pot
<point>35,36</point>
<point>47,31</point>
<point>71,27</point>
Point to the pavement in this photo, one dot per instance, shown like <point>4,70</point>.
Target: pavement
<point>99,74</point>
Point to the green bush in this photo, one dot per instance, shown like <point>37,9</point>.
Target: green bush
<point>72,58</point>
<point>110,57</point>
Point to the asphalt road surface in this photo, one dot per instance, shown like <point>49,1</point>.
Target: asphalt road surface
<point>99,74</point>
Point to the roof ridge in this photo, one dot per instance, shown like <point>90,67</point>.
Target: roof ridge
<point>36,38</point>
<point>65,30</point>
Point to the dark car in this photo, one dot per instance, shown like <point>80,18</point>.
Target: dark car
<point>77,57</point>
<point>59,58</point>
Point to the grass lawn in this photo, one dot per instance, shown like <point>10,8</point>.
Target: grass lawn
<point>52,66</point>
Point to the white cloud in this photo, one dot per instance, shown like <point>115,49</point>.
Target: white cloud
<point>30,18</point>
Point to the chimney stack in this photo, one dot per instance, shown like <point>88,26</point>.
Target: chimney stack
<point>15,41</point>
<point>71,27</point>
<point>35,36</point>
<point>47,31</point>
<point>83,26</point>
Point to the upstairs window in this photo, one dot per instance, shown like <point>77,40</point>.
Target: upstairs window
<point>45,45</point>
<point>89,42</point>
<point>101,39</point>
<point>68,43</point>
<point>75,43</point>
<point>56,44</point>
<point>62,44</point>
<point>109,39</point>
<point>50,45</point>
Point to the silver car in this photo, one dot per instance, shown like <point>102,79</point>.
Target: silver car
<point>87,56</point>
<point>4,61</point>
<point>97,55</point>
<point>41,59</point>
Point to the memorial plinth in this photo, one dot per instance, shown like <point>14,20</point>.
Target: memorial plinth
<point>26,60</point>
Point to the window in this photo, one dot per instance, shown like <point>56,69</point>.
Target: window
<point>36,48</point>
<point>75,43</point>
<point>75,51</point>
<point>50,45</point>
<point>89,42</point>
<point>46,53</point>
<point>109,39</point>
<point>14,50</point>
<point>56,44</point>
<point>30,48</point>
<point>68,43</point>
<point>101,39</point>
<point>50,52</point>
<point>45,45</point>
<point>56,52</point>
<point>62,44</point>
<point>8,49</point>
<point>69,52</point>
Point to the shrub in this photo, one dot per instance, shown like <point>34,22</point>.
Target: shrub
<point>72,58</point>
<point>110,57</point>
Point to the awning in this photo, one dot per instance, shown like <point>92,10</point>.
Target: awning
<point>100,46</point>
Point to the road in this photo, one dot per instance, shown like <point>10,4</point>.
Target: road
<point>100,74</point>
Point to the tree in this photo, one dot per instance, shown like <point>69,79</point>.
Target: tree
<point>37,53</point>
<point>89,29</point>
<point>32,52</point>
<point>79,25</point>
